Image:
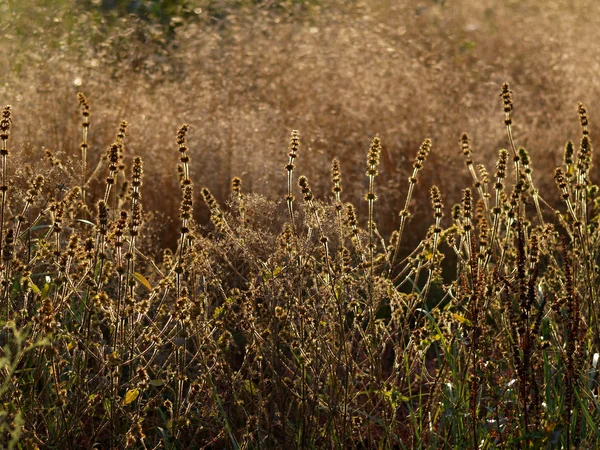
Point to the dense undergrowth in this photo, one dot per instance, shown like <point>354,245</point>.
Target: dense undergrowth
<point>294,321</point>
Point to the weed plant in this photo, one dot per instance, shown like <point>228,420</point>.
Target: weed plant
<point>293,321</point>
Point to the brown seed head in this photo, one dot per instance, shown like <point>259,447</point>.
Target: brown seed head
<point>181,135</point>
<point>465,147</point>
<point>102,217</point>
<point>5,122</point>
<point>508,105</point>
<point>294,144</point>
<point>583,118</point>
<point>236,185</point>
<point>306,191</point>
<point>373,157</point>
<point>336,176</point>
<point>83,103</point>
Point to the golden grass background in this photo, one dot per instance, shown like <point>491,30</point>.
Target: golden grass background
<point>340,72</point>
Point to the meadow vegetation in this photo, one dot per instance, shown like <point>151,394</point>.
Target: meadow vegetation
<point>372,280</point>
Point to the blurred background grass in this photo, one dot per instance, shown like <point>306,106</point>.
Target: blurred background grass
<point>244,73</point>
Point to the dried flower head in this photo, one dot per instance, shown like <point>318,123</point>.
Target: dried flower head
<point>506,95</point>
<point>336,178</point>
<point>465,147</point>
<point>583,117</point>
<point>373,157</point>
<point>85,106</point>
<point>294,145</point>
<point>436,201</point>
<point>236,185</point>
<point>102,217</point>
<point>306,191</point>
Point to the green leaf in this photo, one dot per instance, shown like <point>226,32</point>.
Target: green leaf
<point>250,387</point>
<point>45,290</point>
<point>34,287</point>
<point>462,319</point>
<point>156,383</point>
<point>142,280</point>
<point>130,396</point>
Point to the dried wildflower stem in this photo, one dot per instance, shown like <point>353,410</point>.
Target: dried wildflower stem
<point>466,151</point>
<point>101,234</point>
<point>186,208</point>
<point>467,226</point>
<point>32,193</point>
<point>352,222</point>
<point>508,107</point>
<point>308,198</point>
<point>336,178</point>
<point>412,180</point>
<point>497,210</point>
<point>293,149</point>
<point>582,165</point>
<point>436,201</point>
<point>372,172</point>
<point>512,216</point>
<point>407,262</point>
<point>524,157</point>
<point>216,214</point>
<point>561,182</point>
<point>113,159</point>
<point>122,271</point>
<point>135,220</point>
<point>5,126</point>
<point>85,125</point>
<point>236,189</point>
<point>56,229</point>
<point>120,173</point>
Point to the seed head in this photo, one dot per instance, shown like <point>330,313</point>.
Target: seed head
<point>187,203</point>
<point>83,102</point>
<point>569,151</point>
<point>5,122</point>
<point>485,176</point>
<point>466,148</point>
<point>508,105</point>
<point>501,165</point>
<point>102,217</point>
<point>122,130</point>
<point>306,191</point>
<point>373,157</point>
<point>467,204</point>
<point>436,201</point>
<point>584,157</point>
<point>236,185</point>
<point>524,156</point>
<point>336,177</point>
<point>351,216</point>
<point>181,135</point>
<point>583,117</point>
<point>9,248</point>
<point>422,154</point>
<point>136,219</point>
<point>294,144</point>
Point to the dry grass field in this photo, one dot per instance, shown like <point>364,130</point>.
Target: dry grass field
<point>306,223</point>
